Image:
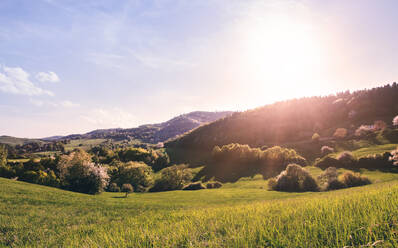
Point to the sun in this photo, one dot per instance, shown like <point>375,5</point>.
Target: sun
<point>281,52</point>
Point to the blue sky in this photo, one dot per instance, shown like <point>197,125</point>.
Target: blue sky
<point>71,66</point>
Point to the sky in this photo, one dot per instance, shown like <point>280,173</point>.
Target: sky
<point>72,66</point>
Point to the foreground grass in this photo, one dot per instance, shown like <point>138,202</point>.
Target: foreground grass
<point>245,216</point>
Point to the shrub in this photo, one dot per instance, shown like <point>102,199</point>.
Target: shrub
<point>395,121</point>
<point>379,125</point>
<point>172,178</point>
<point>340,133</point>
<point>328,175</point>
<point>390,134</point>
<point>394,157</point>
<point>327,162</point>
<point>294,179</point>
<point>346,159</point>
<point>194,186</point>
<point>3,155</point>
<point>138,174</point>
<point>376,161</point>
<point>79,174</point>
<point>315,137</point>
<point>335,184</point>
<point>364,130</point>
<point>113,187</point>
<point>7,171</point>
<point>30,176</point>
<point>325,150</point>
<point>350,179</point>
<point>214,185</point>
<point>233,161</point>
<point>127,188</point>
<point>272,183</point>
<point>329,179</point>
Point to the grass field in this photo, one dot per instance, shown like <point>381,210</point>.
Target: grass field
<point>243,214</point>
<point>378,149</point>
<point>370,150</point>
<point>83,143</point>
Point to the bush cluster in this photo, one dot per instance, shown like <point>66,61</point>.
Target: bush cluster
<point>213,185</point>
<point>194,186</point>
<point>78,173</point>
<point>138,174</point>
<point>172,178</point>
<point>233,161</point>
<point>350,179</point>
<point>297,179</point>
<point>383,162</point>
<point>294,179</point>
<point>325,150</point>
<point>346,180</point>
<point>157,159</point>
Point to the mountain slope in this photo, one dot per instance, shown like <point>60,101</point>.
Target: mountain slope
<point>288,122</point>
<point>154,133</point>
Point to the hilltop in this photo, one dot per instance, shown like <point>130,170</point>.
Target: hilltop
<point>154,133</point>
<point>289,123</point>
<point>9,140</point>
<point>148,133</point>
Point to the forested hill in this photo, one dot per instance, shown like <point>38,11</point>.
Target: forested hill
<point>289,121</point>
<point>154,133</point>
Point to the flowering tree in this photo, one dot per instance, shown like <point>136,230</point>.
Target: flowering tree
<point>78,173</point>
<point>364,130</point>
<point>394,157</point>
<point>395,121</point>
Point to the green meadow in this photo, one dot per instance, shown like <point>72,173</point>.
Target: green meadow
<point>241,214</point>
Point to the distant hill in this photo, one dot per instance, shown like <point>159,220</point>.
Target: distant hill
<point>13,141</point>
<point>288,122</point>
<point>152,133</point>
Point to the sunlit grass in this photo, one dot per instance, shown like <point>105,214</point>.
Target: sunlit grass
<point>83,143</point>
<point>378,149</point>
<point>243,214</point>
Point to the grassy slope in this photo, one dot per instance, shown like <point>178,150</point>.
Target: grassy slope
<point>377,149</point>
<point>370,150</point>
<point>238,215</point>
<point>83,143</point>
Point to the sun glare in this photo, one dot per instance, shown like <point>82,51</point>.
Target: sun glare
<point>282,52</point>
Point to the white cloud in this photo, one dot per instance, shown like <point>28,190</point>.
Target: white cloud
<point>110,118</point>
<point>65,104</point>
<point>69,104</point>
<point>16,81</point>
<point>50,77</point>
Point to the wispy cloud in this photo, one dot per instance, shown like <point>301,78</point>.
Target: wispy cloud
<point>50,77</point>
<point>106,60</point>
<point>54,104</point>
<point>69,104</point>
<point>110,118</point>
<point>15,80</point>
<point>158,62</point>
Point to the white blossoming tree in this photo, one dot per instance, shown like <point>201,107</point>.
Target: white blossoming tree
<point>78,173</point>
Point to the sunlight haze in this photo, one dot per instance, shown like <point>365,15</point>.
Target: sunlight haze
<point>71,66</point>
